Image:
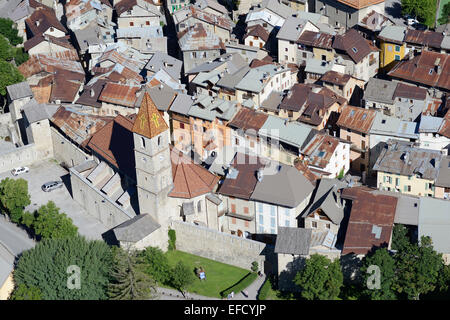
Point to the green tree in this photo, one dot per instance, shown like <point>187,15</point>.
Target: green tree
<point>22,292</point>
<point>181,277</point>
<point>20,56</point>
<point>320,279</point>
<point>9,74</point>
<point>46,267</point>
<point>129,281</point>
<point>8,30</point>
<point>400,238</point>
<point>14,197</point>
<point>50,223</point>
<point>424,10</point>
<point>418,267</point>
<point>6,51</point>
<point>445,14</point>
<point>383,260</point>
<point>156,264</point>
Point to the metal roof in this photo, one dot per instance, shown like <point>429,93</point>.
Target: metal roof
<point>293,133</point>
<point>434,221</point>
<point>282,185</point>
<point>293,240</point>
<point>392,126</point>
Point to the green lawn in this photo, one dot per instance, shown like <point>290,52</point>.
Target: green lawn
<point>219,276</point>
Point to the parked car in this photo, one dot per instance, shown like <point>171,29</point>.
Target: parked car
<point>19,170</point>
<point>52,185</point>
<point>411,20</point>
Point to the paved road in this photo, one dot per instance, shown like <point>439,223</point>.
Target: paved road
<point>13,237</point>
<point>48,170</point>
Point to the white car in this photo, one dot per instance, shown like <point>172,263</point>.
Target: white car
<point>19,170</point>
<point>411,20</point>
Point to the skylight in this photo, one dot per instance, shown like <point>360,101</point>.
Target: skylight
<point>355,50</point>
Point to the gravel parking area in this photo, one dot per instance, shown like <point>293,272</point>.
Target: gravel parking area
<point>49,170</point>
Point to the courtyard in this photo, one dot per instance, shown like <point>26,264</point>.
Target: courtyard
<point>49,170</point>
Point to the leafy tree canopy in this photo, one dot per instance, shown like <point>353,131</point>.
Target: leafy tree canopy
<point>14,195</point>
<point>424,10</point>
<point>9,74</point>
<point>156,264</point>
<point>8,30</point>
<point>50,223</point>
<point>418,267</point>
<point>320,279</point>
<point>181,277</point>
<point>386,264</point>
<point>22,292</point>
<point>46,267</point>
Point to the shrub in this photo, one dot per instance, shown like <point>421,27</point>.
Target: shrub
<point>172,240</point>
<point>255,266</point>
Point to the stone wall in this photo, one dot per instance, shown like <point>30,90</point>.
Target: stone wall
<point>65,151</point>
<point>22,156</point>
<point>96,203</point>
<point>218,246</point>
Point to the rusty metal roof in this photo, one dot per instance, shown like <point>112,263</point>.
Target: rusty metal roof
<point>47,63</point>
<point>316,39</point>
<point>320,150</point>
<point>428,68</point>
<point>42,19</point>
<point>420,37</point>
<point>241,178</point>
<point>357,119</point>
<point>371,220</point>
<point>354,45</point>
<point>411,92</point>
<point>336,78</point>
<point>76,125</point>
<point>120,94</point>
<point>248,119</point>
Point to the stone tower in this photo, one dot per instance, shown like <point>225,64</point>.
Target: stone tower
<point>153,164</point>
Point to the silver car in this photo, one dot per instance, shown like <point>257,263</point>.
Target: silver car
<point>52,185</point>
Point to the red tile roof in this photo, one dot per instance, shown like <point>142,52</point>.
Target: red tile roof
<point>189,179</point>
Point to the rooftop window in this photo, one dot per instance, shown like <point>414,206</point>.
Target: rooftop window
<point>354,50</point>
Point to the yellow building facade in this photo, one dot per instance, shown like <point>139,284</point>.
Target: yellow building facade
<point>412,185</point>
<point>391,54</point>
